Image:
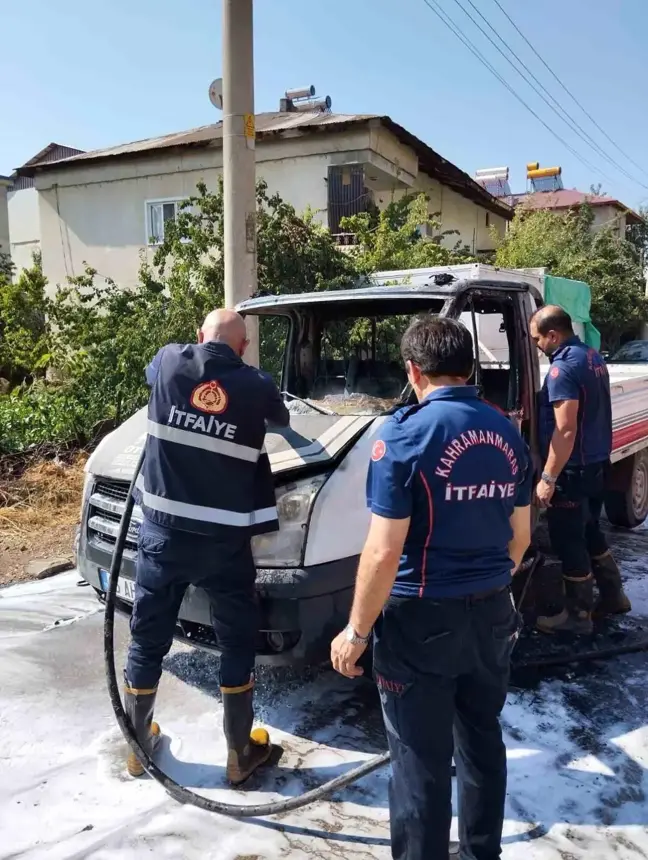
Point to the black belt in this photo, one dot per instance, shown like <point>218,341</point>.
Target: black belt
<point>482,595</point>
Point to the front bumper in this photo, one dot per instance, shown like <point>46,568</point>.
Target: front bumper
<point>302,609</point>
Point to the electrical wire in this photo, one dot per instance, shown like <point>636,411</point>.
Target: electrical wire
<point>566,89</point>
<point>456,30</point>
<point>544,93</point>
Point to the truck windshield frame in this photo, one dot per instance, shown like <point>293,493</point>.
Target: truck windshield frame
<point>357,373</point>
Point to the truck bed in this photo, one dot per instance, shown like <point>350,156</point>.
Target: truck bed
<point>629,388</point>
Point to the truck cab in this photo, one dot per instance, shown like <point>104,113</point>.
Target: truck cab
<point>338,362</point>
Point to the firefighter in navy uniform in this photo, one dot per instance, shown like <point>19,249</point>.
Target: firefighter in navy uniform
<point>205,489</point>
<point>449,488</point>
<point>576,442</point>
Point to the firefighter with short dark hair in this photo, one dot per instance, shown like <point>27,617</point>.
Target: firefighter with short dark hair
<point>205,489</point>
<point>576,443</point>
<point>449,488</point>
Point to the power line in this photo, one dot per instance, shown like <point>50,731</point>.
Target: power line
<point>582,133</point>
<point>566,89</point>
<point>452,26</point>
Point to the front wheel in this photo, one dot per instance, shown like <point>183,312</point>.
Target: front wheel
<point>626,502</point>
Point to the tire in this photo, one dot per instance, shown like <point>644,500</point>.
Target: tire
<point>626,505</point>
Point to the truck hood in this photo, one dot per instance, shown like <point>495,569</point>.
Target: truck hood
<point>309,441</point>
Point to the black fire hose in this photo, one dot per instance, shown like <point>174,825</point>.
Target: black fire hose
<point>184,795</point>
<point>178,792</point>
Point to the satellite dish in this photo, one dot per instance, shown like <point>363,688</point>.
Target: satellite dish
<point>216,93</point>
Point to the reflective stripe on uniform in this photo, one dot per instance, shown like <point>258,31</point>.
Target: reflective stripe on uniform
<point>200,512</point>
<point>205,442</point>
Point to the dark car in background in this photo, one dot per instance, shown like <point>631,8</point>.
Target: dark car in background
<point>633,352</point>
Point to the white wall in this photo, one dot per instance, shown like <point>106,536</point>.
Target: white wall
<point>609,215</point>
<point>24,227</point>
<point>104,223</point>
<point>102,216</point>
<point>455,213</point>
<point>4,220</point>
<point>102,207</point>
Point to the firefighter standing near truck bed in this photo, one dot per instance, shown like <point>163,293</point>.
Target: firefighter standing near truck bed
<point>205,489</point>
<point>449,488</point>
<point>576,442</point>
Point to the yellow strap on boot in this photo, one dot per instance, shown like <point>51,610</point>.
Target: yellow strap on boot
<point>230,691</point>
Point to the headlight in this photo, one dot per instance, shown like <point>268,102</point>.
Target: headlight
<point>88,481</point>
<point>284,548</point>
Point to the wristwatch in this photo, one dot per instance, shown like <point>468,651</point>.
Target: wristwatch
<point>354,638</point>
<point>547,478</point>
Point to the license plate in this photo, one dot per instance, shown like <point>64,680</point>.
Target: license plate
<point>125,587</point>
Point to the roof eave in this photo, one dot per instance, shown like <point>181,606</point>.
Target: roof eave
<point>431,162</point>
<point>464,184</point>
<point>73,161</point>
<point>631,216</point>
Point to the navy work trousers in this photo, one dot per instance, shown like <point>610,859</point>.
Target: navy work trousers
<point>168,560</point>
<point>442,669</point>
<point>574,516</point>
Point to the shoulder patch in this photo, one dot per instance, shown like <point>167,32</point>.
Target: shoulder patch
<point>209,397</point>
<point>554,372</point>
<point>378,451</point>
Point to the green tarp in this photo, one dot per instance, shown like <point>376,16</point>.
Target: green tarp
<point>576,298</point>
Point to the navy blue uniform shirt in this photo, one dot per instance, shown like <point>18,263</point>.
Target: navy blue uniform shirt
<point>205,470</point>
<point>457,468</point>
<point>578,372</point>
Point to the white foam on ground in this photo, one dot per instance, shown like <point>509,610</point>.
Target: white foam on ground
<point>577,753</point>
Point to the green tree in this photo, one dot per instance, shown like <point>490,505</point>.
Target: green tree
<point>637,235</point>
<point>402,236</point>
<point>294,254</point>
<point>567,247</point>
<point>619,306</point>
<point>24,345</point>
<point>101,336</point>
<point>547,239</point>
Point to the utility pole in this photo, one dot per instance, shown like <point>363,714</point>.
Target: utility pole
<point>239,177</point>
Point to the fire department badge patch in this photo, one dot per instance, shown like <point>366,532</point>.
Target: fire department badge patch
<point>378,451</point>
<point>209,397</point>
<point>554,372</point>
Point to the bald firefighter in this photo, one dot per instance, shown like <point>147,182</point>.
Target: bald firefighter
<point>205,489</point>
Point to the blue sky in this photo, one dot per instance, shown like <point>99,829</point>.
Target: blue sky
<point>96,74</point>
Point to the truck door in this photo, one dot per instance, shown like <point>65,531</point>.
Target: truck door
<point>505,369</point>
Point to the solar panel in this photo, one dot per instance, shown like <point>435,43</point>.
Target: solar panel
<point>496,187</point>
<point>547,183</point>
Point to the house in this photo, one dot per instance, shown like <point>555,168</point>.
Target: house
<point>22,204</point>
<point>109,207</point>
<point>545,190</point>
<point>606,210</point>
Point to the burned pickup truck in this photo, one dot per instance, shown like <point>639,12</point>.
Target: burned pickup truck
<point>341,375</point>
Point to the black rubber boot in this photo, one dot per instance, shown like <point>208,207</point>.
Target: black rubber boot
<point>612,599</point>
<point>246,749</point>
<point>576,617</point>
<point>139,705</point>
